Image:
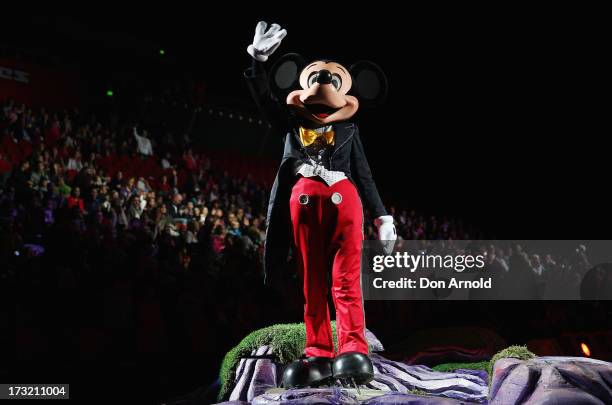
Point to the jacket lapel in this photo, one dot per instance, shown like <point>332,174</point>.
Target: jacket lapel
<point>344,131</point>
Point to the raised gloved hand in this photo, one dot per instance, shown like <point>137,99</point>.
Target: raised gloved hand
<point>265,42</point>
<point>386,232</point>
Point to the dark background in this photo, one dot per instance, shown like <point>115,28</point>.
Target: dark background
<point>495,120</point>
<point>493,116</point>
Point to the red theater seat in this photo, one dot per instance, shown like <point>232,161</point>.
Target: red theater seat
<point>5,166</point>
<point>71,174</point>
<point>12,150</point>
<point>26,148</point>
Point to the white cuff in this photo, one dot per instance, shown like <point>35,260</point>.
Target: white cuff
<point>260,57</point>
<point>383,219</point>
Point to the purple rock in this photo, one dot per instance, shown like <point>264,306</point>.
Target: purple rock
<point>243,380</point>
<point>482,374</point>
<point>264,378</point>
<point>323,396</point>
<point>464,385</point>
<point>552,380</point>
<point>408,399</point>
<point>258,373</point>
<point>232,403</point>
<point>373,342</point>
<point>253,376</point>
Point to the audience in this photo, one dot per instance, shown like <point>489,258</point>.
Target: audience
<point>122,217</point>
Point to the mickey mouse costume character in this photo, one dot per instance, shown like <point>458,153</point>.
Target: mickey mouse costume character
<point>316,198</point>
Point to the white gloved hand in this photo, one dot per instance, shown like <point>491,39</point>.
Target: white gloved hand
<point>386,232</point>
<point>265,42</point>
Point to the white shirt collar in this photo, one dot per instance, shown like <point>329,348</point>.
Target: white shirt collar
<point>320,130</point>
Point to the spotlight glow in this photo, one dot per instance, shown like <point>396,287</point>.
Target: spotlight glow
<point>585,349</point>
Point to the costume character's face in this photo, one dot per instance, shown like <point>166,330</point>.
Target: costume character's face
<point>319,91</point>
<point>323,95</point>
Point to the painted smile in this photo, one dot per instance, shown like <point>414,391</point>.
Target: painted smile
<point>320,110</point>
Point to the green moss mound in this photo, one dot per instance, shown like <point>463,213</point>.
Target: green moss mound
<point>287,341</point>
<point>450,367</point>
<point>514,352</point>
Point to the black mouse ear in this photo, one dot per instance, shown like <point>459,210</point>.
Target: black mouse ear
<point>369,83</point>
<point>284,76</point>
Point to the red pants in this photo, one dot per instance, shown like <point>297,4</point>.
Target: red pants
<point>328,232</point>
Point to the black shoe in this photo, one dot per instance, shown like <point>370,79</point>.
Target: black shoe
<point>308,372</point>
<point>354,367</point>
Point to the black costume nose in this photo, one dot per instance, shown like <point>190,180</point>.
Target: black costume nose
<point>324,77</point>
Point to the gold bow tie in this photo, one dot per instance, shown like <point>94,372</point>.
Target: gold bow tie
<point>308,136</point>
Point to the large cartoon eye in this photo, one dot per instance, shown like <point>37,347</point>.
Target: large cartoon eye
<point>336,81</point>
<point>312,79</point>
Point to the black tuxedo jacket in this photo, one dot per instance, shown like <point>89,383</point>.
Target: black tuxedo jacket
<point>347,156</point>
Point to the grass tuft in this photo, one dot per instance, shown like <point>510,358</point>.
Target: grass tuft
<point>286,340</point>
<point>514,352</point>
<point>450,367</point>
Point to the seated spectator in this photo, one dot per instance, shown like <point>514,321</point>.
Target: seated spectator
<point>218,238</point>
<point>5,168</point>
<point>174,208</point>
<point>75,163</point>
<point>75,200</point>
<point>144,144</point>
<point>93,202</point>
<point>190,161</point>
<point>164,186</point>
<point>63,188</point>
<point>135,209</point>
<point>118,181</point>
